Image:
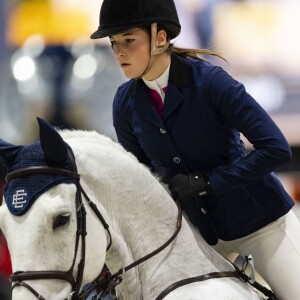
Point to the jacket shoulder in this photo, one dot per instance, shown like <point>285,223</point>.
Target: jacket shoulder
<point>124,87</point>
<point>203,66</point>
<point>123,92</point>
<point>202,70</point>
<point>121,100</point>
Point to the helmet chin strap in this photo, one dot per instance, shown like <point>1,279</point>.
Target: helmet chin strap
<point>154,50</point>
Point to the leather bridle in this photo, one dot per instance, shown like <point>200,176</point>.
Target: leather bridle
<point>19,277</point>
<point>102,285</point>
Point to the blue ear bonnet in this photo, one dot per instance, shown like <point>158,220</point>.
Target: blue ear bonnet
<point>20,193</point>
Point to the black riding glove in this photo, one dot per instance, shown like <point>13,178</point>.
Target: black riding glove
<point>184,187</point>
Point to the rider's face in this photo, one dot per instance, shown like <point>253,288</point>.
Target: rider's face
<point>132,51</point>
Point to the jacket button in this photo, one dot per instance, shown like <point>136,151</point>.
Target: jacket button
<point>176,160</point>
<point>163,131</point>
<point>203,210</point>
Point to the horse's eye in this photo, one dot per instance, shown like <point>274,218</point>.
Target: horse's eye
<point>61,220</point>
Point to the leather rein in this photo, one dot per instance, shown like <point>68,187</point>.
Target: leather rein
<point>108,283</point>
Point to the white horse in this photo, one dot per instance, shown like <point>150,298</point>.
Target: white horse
<point>141,216</point>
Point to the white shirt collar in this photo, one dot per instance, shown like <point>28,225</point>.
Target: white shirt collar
<point>159,83</point>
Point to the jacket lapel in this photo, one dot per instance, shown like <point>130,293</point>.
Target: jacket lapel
<point>173,99</point>
<point>178,79</point>
<point>144,106</point>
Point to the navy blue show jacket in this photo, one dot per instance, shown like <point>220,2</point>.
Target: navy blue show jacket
<point>205,110</point>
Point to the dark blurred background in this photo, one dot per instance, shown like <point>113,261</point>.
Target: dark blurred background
<point>50,68</point>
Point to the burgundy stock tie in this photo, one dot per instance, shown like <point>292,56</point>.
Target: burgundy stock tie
<point>157,101</point>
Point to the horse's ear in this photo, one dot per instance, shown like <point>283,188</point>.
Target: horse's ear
<point>53,146</point>
<point>8,152</point>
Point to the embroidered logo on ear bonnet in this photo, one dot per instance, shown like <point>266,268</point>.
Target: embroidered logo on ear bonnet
<point>21,193</point>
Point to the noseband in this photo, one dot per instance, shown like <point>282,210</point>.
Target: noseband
<point>19,277</point>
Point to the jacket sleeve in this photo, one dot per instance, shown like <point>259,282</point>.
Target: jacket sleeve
<point>126,135</point>
<point>231,101</point>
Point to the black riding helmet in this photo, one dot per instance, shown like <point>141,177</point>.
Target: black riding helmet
<point>117,16</point>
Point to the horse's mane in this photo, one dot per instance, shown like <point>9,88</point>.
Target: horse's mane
<point>84,137</point>
<point>89,135</point>
<point>90,146</point>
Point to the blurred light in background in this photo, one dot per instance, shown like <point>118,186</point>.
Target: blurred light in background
<point>259,36</point>
<point>34,45</point>
<point>267,89</point>
<point>23,68</point>
<point>57,23</point>
<point>85,66</point>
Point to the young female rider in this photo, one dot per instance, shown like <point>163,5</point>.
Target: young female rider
<point>182,117</point>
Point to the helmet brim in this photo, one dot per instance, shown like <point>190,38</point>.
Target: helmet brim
<point>101,32</point>
<point>120,28</point>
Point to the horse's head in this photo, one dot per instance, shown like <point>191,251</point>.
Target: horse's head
<point>43,219</point>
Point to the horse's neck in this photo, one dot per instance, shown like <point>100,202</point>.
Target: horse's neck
<point>142,217</point>
<point>141,222</point>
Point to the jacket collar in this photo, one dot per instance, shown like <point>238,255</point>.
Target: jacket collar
<point>178,79</point>
<point>179,75</point>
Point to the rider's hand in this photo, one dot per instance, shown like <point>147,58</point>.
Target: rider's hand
<point>184,187</point>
